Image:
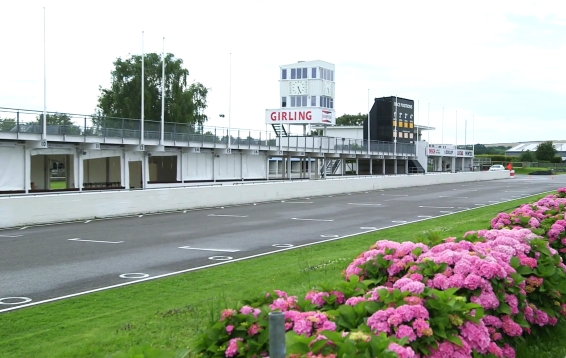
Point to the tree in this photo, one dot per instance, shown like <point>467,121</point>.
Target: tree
<point>527,156</point>
<point>7,124</point>
<point>61,119</point>
<point>351,119</point>
<point>184,103</point>
<point>545,151</point>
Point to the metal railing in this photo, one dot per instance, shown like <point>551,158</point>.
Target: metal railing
<point>74,126</point>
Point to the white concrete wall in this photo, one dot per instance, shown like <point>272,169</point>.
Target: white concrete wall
<point>228,167</point>
<point>12,167</point>
<point>24,210</point>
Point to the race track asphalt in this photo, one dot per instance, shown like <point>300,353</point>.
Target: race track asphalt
<point>48,262</point>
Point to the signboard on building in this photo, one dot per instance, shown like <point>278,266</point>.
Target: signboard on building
<point>306,115</point>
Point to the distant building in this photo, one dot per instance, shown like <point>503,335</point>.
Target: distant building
<point>532,146</point>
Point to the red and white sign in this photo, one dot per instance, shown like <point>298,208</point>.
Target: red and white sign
<point>300,116</point>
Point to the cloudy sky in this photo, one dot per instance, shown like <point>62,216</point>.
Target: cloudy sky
<point>497,65</point>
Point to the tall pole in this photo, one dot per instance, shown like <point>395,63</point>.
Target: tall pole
<point>163,94</point>
<point>465,134</point>
<point>473,133</point>
<point>442,130</point>
<point>44,124</point>
<point>395,131</point>
<point>230,103</point>
<point>456,129</point>
<point>428,125</point>
<point>142,94</point>
<point>369,132</point>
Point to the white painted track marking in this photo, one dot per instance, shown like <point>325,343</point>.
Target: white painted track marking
<point>328,235</point>
<point>445,212</point>
<point>436,207</point>
<point>229,216</point>
<point>23,300</point>
<point>368,228</point>
<point>297,202</point>
<point>396,194</point>
<point>25,227</point>
<point>424,216</point>
<point>364,204</point>
<point>134,275</point>
<point>86,222</point>
<point>140,216</point>
<point>11,235</point>
<point>454,197</point>
<point>220,258</point>
<point>479,204</point>
<point>493,201</point>
<point>282,245</point>
<point>399,221</point>
<point>311,219</point>
<point>201,249</point>
<point>102,242</point>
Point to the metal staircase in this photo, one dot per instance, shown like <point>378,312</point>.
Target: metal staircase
<point>332,166</point>
<point>279,130</point>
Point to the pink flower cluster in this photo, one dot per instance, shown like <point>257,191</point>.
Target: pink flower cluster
<point>404,321</point>
<point>284,302</point>
<point>399,255</point>
<point>307,323</point>
<point>318,298</point>
<point>402,352</point>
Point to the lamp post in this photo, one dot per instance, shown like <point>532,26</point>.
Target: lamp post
<point>222,116</point>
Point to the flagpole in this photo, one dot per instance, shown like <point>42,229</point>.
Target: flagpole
<point>142,95</point>
<point>163,94</point>
<point>473,133</point>
<point>442,131</point>
<point>369,132</point>
<point>395,131</point>
<point>44,124</point>
<point>456,129</point>
<point>230,104</point>
<point>428,125</point>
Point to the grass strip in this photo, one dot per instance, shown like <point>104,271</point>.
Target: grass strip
<point>169,312</point>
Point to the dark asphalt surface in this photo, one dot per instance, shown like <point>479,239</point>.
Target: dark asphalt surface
<point>39,263</point>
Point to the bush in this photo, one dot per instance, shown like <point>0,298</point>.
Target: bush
<point>556,160</point>
<point>458,297</point>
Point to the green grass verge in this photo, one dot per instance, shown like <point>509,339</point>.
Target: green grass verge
<point>169,312</point>
<point>57,185</point>
<point>529,170</point>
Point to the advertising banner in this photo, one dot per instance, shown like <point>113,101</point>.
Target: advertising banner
<point>305,115</point>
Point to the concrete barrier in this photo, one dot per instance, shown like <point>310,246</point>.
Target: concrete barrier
<point>27,210</point>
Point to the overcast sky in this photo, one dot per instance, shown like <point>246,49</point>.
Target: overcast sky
<point>500,65</point>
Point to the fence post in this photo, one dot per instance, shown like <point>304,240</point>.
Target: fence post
<point>276,334</point>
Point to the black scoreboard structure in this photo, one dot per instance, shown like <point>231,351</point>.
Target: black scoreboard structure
<point>388,120</point>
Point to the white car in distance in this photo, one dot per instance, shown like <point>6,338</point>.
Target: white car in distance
<point>496,167</point>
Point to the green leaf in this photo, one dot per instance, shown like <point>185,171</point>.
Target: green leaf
<point>456,340</point>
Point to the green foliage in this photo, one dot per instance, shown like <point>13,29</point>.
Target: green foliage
<point>556,160</point>
<point>351,119</point>
<point>61,119</point>
<point>482,149</point>
<point>527,156</point>
<point>355,344</point>
<point>545,151</point>
<point>184,103</point>
<point>7,124</point>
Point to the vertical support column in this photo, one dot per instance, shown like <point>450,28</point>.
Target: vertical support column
<point>370,166</point>
<point>145,170</point>
<point>407,166</point>
<point>27,169</point>
<point>357,166</point>
<point>242,165</point>
<point>277,168</point>
<point>125,170</point>
<point>439,165</point>
<point>395,163</point>
<point>267,166</point>
<point>309,167</point>
<point>453,165</point>
<point>383,166</point>
<point>213,167</point>
<point>46,173</point>
<point>343,165</point>
<point>182,159</point>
